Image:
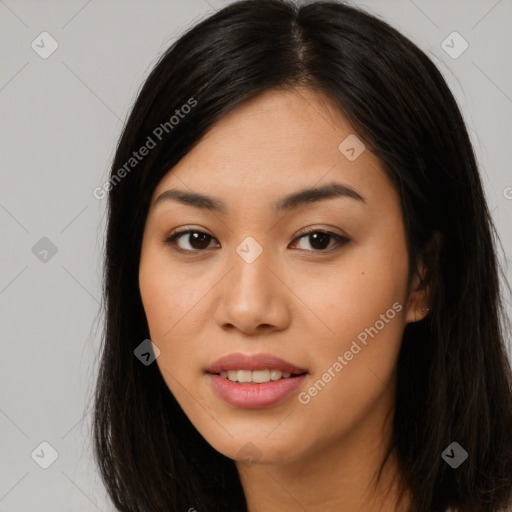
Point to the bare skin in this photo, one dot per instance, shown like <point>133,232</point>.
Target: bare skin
<point>298,300</point>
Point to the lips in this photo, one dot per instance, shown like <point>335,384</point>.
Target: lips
<point>251,394</point>
<point>254,362</point>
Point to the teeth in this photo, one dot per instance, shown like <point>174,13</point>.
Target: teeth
<point>260,376</point>
<point>244,376</point>
<point>256,376</point>
<point>276,374</point>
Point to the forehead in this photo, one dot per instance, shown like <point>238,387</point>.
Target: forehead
<point>276,143</point>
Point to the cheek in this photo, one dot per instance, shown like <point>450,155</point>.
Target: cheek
<point>172,304</point>
<point>353,294</point>
<point>360,318</point>
<point>168,294</point>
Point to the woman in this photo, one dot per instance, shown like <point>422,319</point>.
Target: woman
<point>303,309</point>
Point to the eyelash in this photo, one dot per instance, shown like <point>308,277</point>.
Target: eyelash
<point>340,240</point>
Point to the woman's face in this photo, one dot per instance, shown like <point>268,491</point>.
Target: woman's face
<point>249,281</point>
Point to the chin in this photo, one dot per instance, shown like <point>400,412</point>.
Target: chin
<point>257,450</point>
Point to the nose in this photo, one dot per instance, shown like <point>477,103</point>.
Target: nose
<point>253,297</point>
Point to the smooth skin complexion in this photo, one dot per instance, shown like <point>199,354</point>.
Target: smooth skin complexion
<point>304,299</point>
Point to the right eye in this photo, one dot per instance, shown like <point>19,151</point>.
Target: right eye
<point>197,240</point>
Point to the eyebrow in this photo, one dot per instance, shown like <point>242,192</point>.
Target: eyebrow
<point>287,203</point>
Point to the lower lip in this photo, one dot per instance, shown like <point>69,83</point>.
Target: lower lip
<point>255,396</point>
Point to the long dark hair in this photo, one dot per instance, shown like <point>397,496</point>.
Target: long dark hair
<point>454,377</point>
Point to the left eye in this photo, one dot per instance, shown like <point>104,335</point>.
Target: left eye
<point>198,240</point>
<point>319,240</point>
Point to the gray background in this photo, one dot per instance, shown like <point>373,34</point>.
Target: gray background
<point>61,118</point>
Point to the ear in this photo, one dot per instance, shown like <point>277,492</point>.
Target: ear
<point>422,288</point>
<point>418,300</point>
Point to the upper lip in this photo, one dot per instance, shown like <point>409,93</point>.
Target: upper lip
<point>252,362</point>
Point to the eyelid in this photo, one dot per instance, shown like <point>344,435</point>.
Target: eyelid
<point>315,229</point>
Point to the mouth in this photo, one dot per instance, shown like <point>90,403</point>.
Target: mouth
<point>257,376</point>
<point>254,381</point>
<point>255,368</point>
